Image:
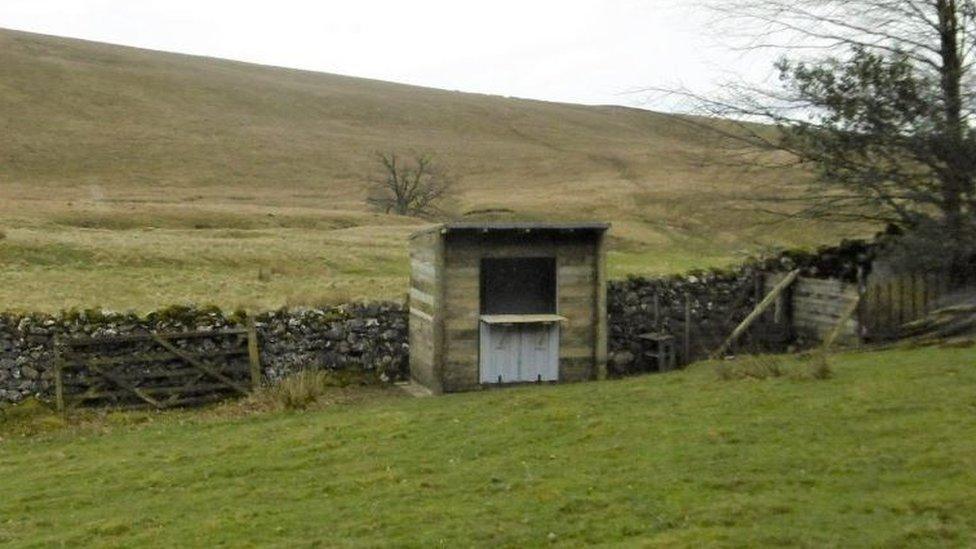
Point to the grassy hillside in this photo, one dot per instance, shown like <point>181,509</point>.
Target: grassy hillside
<point>133,178</point>
<point>882,454</point>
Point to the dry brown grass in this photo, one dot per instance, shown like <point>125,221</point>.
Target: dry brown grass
<point>809,367</point>
<point>311,389</point>
<point>751,367</point>
<point>143,179</point>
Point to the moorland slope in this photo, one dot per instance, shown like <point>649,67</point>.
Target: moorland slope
<point>133,178</point>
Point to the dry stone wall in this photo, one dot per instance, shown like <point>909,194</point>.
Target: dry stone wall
<point>360,337</point>
<point>373,337</point>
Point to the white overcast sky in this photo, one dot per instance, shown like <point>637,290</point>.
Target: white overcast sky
<point>581,51</point>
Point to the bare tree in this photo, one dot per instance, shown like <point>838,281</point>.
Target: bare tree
<point>874,97</point>
<point>412,186</point>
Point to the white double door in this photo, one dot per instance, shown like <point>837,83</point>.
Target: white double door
<point>513,353</point>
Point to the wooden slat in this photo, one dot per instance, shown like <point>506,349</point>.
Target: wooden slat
<point>467,280</point>
<point>423,348</point>
<point>577,313</point>
<point>816,313</point>
<point>473,252</point>
<point>827,302</point>
<point>127,385</point>
<point>423,254</point>
<point>825,298</point>
<point>577,271</point>
<point>181,403</point>
<point>77,361</point>
<point>161,391</point>
<point>459,296</point>
<point>156,376</point>
<point>462,332</point>
<point>425,308</point>
<point>823,285</point>
<point>76,400</point>
<point>204,367</point>
<point>585,293</point>
<point>454,273</point>
<point>460,265</point>
<point>85,341</point>
<point>459,311</point>
<point>815,322</point>
<point>462,351</point>
<point>578,332</point>
<point>425,270</point>
<point>414,311</point>
<point>426,285</point>
<point>575,351</point>
<point>421,297</point>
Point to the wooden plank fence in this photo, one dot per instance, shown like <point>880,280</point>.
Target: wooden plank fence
<point>818,307</point>
<point>814,308</point>
<point>155,370</point>
<point>891,301</point>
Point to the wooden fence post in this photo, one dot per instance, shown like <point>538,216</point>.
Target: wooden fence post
<point>912,296</point>
<point>862,299</point>
<point>687,341</point>
<point>892,315</point>
<point>657,312</point>
<point>880,312</point>
<point>929,292</point>
<point>905,306</point>
<point>58,376</point>
<point>253,353</point>
<point>756,313</point>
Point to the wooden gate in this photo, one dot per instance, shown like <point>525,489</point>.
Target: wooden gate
<point>156,370</point>
<point>889,302</point>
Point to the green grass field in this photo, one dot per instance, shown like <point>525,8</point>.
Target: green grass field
<point>881,454</point>
<point>136,179</point>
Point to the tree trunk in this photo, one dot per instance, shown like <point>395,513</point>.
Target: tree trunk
<point>955,179</point>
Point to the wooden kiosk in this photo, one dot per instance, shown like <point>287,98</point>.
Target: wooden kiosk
<point>505,303</point>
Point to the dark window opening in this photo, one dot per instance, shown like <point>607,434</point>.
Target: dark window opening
<point>518,286</point>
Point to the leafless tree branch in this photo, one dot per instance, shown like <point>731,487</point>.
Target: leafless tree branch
<point>408,187</point>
